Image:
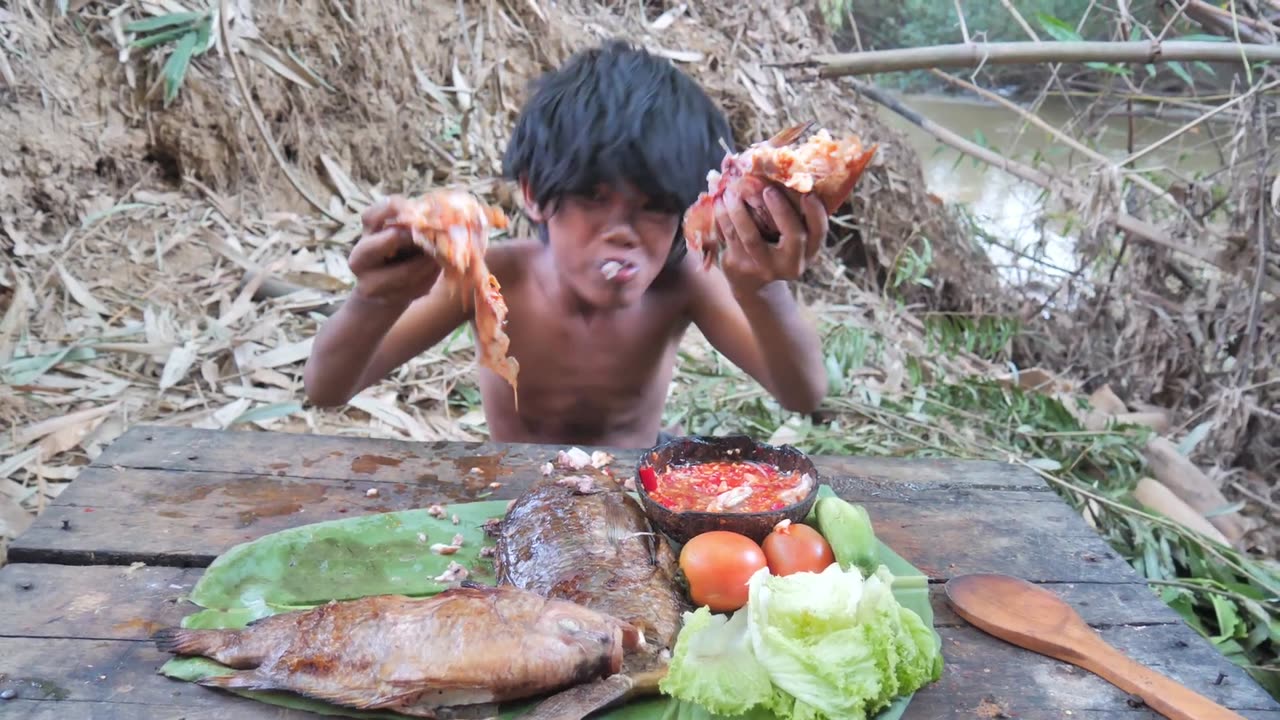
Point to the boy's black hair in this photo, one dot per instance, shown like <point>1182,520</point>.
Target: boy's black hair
<point>616,112</point>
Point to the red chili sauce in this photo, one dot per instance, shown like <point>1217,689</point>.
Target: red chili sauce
<point>721,486</point>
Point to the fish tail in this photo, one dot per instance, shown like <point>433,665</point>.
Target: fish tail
<point>182,641</point>
<point>240,680</point>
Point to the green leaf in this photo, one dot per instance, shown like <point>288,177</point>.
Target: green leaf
<point>159,38</point>
<point>1046,464</point>
<point>1181,72</point>
<point>163,21</point>
<point>1057,28</point>
<point>268,412</point>
<point>1228,616</point>
<point>1188,444</point>
<point>175,68</point>
<point>1108,67</point>
<point>23,370</point>
<point>1201,37</point>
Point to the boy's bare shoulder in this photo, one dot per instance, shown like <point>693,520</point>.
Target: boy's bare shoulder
<point>510,259</point>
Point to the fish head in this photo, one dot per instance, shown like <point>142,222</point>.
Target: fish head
<point>594,631</point>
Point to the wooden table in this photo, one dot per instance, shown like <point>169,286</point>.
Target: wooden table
<point>110,561</point>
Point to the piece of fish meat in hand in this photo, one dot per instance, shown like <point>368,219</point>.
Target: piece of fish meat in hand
<point>599,550</point>
<point>468,646</point>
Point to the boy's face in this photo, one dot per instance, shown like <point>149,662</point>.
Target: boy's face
<point>608,246</point>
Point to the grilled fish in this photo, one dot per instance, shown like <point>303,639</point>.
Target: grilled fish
<point>467,646</point>
<point>590,543</point>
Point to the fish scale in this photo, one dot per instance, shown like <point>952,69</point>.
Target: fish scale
<point>400,653</point>
<point>597,549</point>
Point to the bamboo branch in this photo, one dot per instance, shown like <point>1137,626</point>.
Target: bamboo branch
<point>1020,53</point>
<point>1036,120</point>
<point>1138,228</point>
<point>1185,128</point>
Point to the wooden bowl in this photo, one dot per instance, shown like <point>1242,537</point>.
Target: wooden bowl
<point>691,450</point>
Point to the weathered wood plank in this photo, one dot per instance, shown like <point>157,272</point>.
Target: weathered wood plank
<point>980,671</point>
<point>107,602</point>
<point>111,602</point>
<point>169,518</point>
<point>334,457</point>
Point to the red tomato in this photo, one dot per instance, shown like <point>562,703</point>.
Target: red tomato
<point>717,565</point>
<point>793,547</point>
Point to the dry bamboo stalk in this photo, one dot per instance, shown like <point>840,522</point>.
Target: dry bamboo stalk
<point>1194,487</point>
<point>1158,498</point>
<point>1036,120</point>
<point>972,55</point>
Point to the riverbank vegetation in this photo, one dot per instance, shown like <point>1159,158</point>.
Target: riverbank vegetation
<point>175,227</point>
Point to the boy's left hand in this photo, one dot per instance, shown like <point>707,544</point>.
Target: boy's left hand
<point>753,259</point>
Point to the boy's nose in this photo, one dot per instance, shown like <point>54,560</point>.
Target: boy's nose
<point>622,234</point>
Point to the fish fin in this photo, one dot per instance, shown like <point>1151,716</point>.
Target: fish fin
<point>834,200</point>
<point>789,135</point>
<point>240,680</point>
<point>581,700</point>
<point>182,641</point>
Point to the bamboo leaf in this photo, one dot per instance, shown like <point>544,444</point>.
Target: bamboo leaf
<point>163,21</point>
<point>1057,28</point>
<point>1193,438</point>
<point>1181,72</point>
<point>175,68</point>
<point>268,412</point>
<point>282,65</point>
<point>159,38</point>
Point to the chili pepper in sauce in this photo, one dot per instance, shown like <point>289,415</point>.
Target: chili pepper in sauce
<point>696,487</point>
<point>649,479</point>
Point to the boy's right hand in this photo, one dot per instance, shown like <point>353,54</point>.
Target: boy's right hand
<point>381,276</point>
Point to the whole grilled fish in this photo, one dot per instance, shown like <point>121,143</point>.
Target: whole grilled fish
<point>587,541</point>
<point>467,646</point>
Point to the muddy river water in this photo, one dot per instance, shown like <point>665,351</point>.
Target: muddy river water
<point>1009,208</point>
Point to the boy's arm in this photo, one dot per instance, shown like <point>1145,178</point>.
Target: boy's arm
<point>367,339</point>
<point>765,334</point>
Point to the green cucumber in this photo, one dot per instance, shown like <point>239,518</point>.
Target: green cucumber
<point>848,531</point>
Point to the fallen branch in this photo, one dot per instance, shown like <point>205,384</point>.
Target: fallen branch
<point>971,55</point>
<point>1036,120</point>
<point>1137,228</point>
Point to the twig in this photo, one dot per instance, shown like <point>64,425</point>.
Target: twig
<point>1274,508</point>
<point>1139,228</point>
<point>1203,588</point>
<point>225,35</point>
<point>1185,128</point>
<point>1036,120</point>
<point>964,29</point>
<point>1017,17</point>
<point>1168,25</point>
<point>1022,53</point>
<point>1249,352</point>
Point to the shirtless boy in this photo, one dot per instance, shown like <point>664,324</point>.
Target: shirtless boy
<point>608,153</point>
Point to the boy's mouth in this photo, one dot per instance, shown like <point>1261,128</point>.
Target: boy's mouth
<point>618,271</point>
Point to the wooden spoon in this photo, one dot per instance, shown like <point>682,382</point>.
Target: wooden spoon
<point>1034,618</point>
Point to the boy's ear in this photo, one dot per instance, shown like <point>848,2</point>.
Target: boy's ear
<point>530,207</point>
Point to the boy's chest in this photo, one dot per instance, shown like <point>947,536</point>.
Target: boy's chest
<point>558,350</point>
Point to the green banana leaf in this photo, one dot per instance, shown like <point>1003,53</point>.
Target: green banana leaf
<point>389,553</point>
